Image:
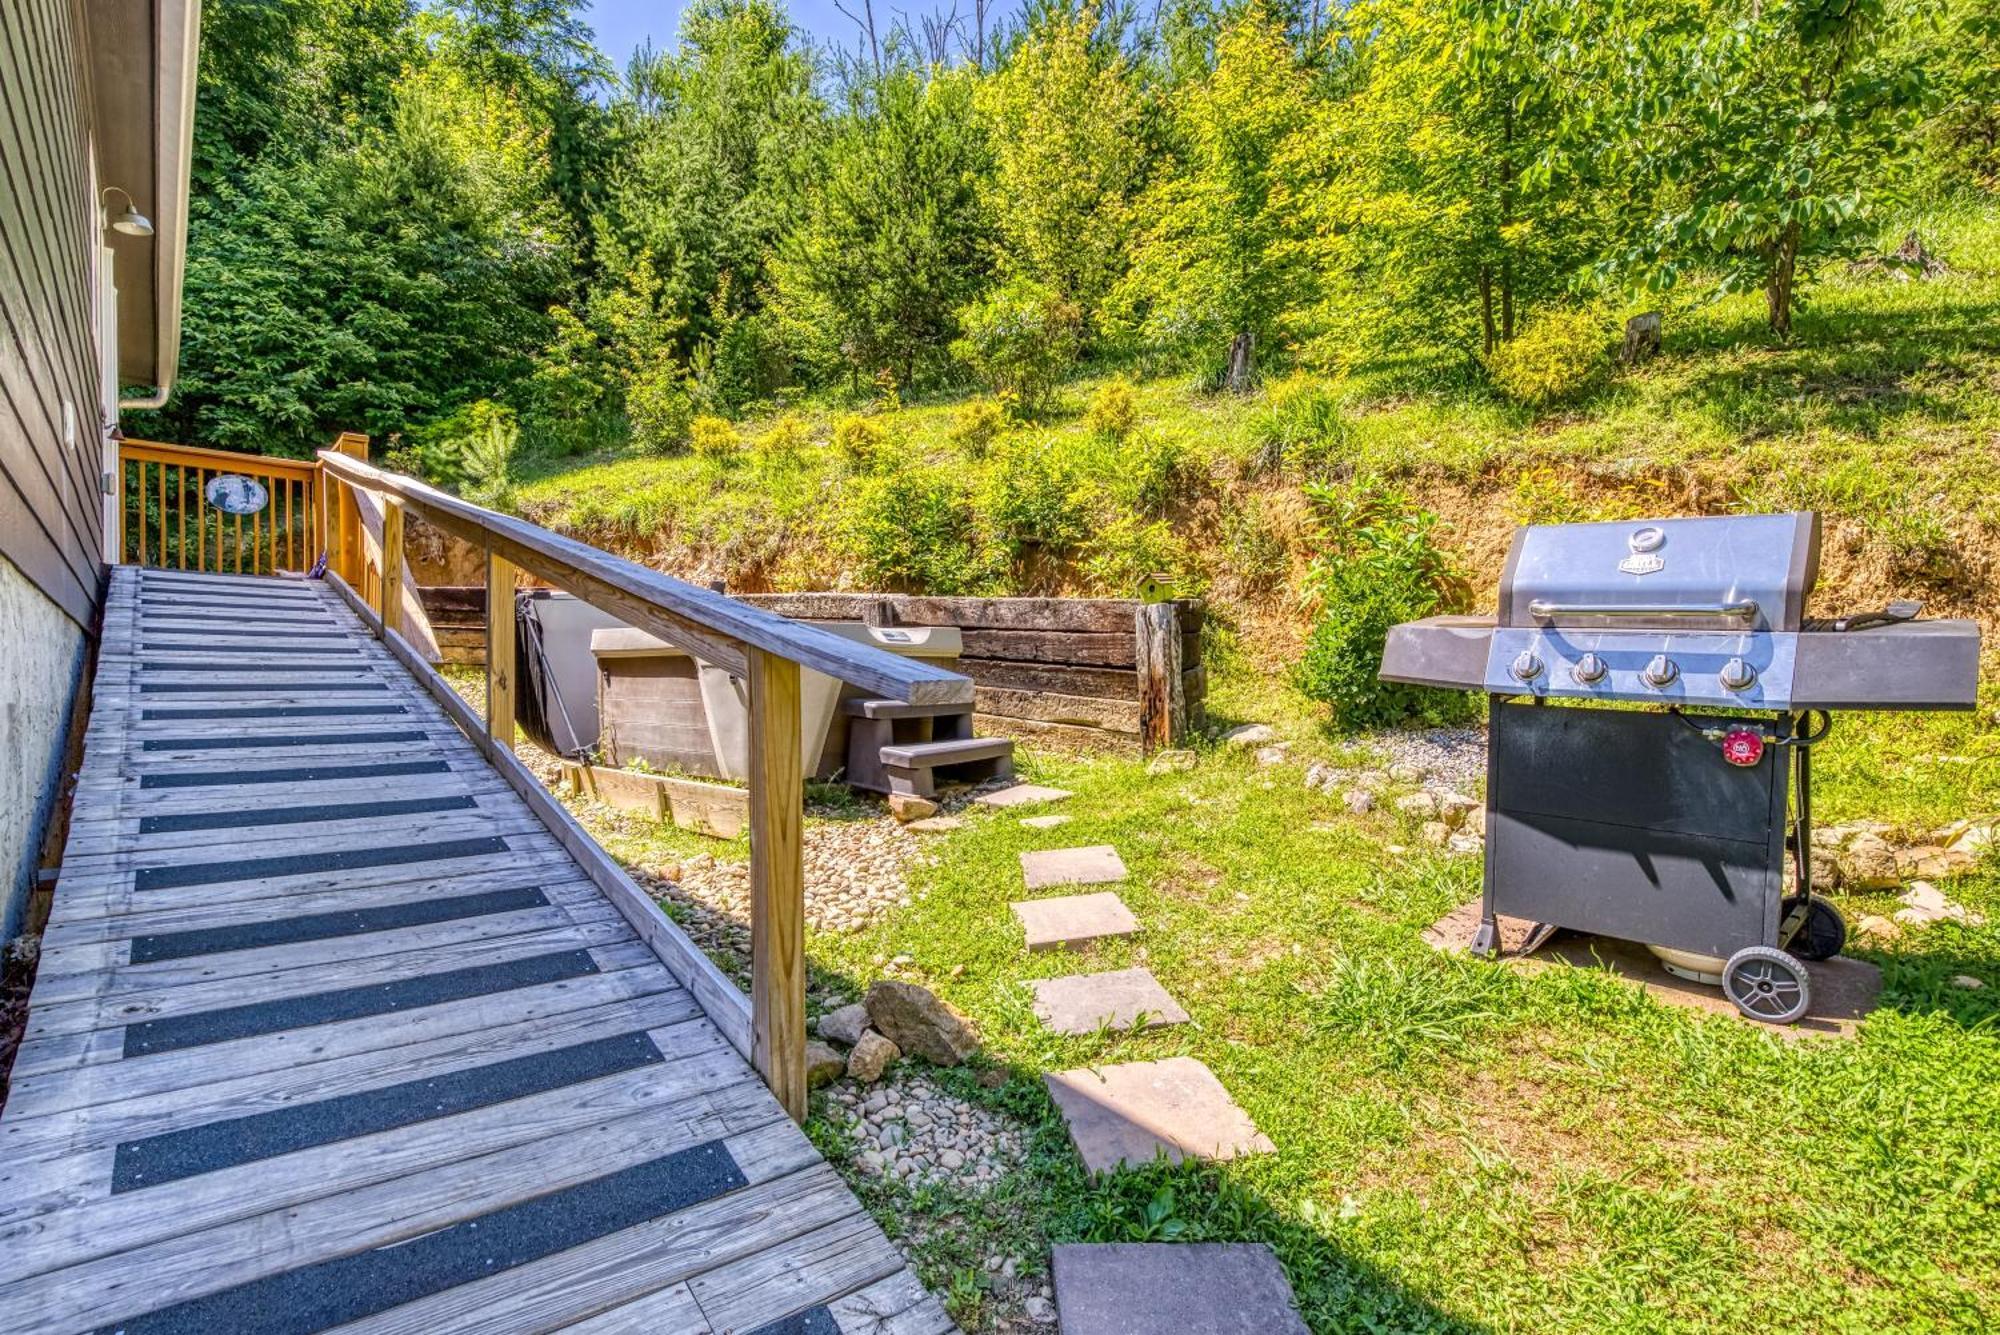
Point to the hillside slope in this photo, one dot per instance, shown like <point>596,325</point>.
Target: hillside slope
<point>1883,413</point>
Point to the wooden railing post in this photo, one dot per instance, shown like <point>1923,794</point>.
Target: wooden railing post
<point>352,559</point>
<point>500,577</point>
<point>389,588</point>
<point>777,881</point>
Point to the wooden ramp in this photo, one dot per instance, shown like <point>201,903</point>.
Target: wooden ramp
<point>331,1033</point>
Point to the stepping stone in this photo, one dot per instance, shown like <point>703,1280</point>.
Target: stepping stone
<point>1097,865</point>
<point>1044,822</point>
<point>1189,1288</point>
<point>936,824</point>
<point>1087,1002</point>
<point>1074,920</point>
<point>1021,795</point>
<point>1128,1113</point>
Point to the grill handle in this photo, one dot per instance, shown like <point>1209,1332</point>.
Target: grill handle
<point>1743,607</point>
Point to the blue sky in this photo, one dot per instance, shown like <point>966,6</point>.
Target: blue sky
<point>621,25</point>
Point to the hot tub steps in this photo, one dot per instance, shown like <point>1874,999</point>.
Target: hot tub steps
<point>893,747</point>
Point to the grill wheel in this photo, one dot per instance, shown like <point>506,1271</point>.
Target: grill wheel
<point>1767,984</point>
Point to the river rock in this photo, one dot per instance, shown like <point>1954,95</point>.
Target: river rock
<point>907,807</point>
<point>1172,762</point>
<point>1418,804</point>
<point>823,1064</point>
<point>1868,862</point>
<point>871,1057</point>
<point>1250,734</point>
<point>845,1025</point>
<point>915,1020</point>
<point>1359,801</point>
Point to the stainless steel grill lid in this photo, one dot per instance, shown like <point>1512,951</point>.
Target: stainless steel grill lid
<point>1702,611</point>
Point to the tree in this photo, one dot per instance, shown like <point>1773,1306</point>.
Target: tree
<point>1456,187</point>
<point>1063,115</point>
<point>1771,134</point>
<point>1213,266</point>
<point>722,140</point>
<point>897,236</point>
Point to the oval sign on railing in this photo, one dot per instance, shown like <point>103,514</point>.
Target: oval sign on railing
<point>232,493</point>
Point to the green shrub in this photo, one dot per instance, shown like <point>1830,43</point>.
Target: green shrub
<point>658,406</point>
<point>916,529</point>
<point>1036,497</point>
<point>1113,413</point>
<point>786,439</point>
<point>859,440</point>
<point>1557,356</point>
<point>1152,470</point>
<point>977,425</point>
<point>1300,426</point>
<point>1380,563</point>
<point>713,437</point>
<point>1127,549</point>
<point>1022,339</point>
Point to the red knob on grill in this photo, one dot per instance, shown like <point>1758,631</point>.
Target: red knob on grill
<point>1742,746</point>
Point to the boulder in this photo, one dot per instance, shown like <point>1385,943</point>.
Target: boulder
<point>1475,821</point>
<point>871,1056</point>
<point>1172,762</point>
<point>907,807</point>
<point>1418,804</point>
<point>1928,860</point>
<point>1879,928</point>
<point>1405,772</point>
<point>1966,981</point>
<point>823,1064</point>
<point>1272,755</point>
<point>844,1026</point>
<point>1868,862</point>
<point>1359,801</point>
<point>1250,734</point>
<point>1455,808</point>
<point>1436,833</point>
<point>916,1021</point>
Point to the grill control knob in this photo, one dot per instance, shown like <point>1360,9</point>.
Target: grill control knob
<point>1526,666</point>
<point>1661,672</point>
<point>1589,670</point>
<point>1738,675</point>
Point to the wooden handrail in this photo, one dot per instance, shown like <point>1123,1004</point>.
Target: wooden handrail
<point>765,650</point>
<point>702,622</point>
<point>237,461</point>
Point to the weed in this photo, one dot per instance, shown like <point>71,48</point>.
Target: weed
<point>1113,414</point>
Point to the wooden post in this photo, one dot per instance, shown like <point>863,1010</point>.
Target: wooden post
<point>500,573</point>
<point>390,589</point>
<point>353,561</point>
<point>1162,692</point>
<point>777,881</point>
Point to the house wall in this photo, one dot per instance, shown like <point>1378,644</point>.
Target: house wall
<point>51,423</point>
<point>45,653</point>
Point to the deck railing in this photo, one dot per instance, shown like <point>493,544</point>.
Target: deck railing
<point>764,650</point>
<point>165,517</point>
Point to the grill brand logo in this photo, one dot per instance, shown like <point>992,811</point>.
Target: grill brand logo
<point>1644,542</point>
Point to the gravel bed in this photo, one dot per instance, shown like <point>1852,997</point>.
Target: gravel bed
<point>908,1128</point>
<point>1449,757</point>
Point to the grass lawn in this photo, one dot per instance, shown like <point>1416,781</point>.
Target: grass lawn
<point>1463,1146</point>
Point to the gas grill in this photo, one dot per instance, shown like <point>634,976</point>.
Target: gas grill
<point>1671,825</point>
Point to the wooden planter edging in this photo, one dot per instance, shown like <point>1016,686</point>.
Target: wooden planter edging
<point>1097,673</point>
<point>706,808</point>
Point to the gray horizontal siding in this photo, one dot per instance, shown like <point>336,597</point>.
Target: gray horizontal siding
<point>50,516</point>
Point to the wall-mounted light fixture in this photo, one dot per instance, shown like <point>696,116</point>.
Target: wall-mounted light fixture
<point>131,222</point>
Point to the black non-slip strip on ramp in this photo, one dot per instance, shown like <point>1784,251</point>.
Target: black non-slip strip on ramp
<point>317,684</point>
<point>258,609</point>
<point>348,1288</point>
<point>330,926</point>
<point>244,820</point>
<point>210,600</point>
<point>176,1032</point>
<point>193,665</point>
<point>305,864</point>
<point>218,778</point>
<point>155,628</point>
<point>293,739</point>
<point>174,1155</point>
<point>202,646</point>
<point>813,1321</point>
<point>274,711</point>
